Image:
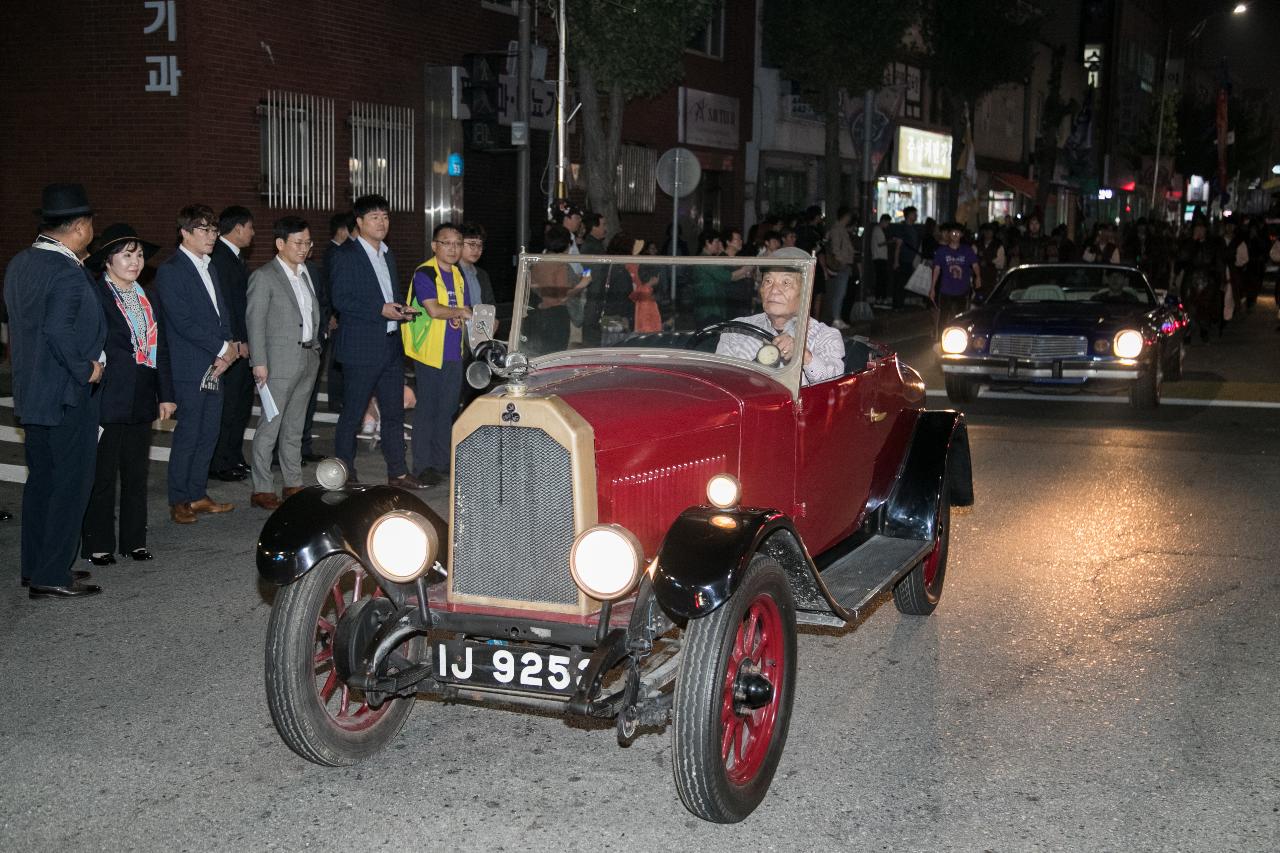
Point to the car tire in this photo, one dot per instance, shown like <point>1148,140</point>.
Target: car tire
<point>920,590</point>
<point>960,389</point>
<point>1145,394</point>
<point>317,716</point>
<point>722,775</point>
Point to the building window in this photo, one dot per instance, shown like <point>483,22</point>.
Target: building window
<point>296,150</point>
<point>785,191</point>
<point>999,205</point>
<point>907,78</point>
<point>709,40</point>
<point>382,153</point>
<point>637,177</point>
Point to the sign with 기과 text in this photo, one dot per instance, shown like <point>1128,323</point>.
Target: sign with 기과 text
<point>922,153</point>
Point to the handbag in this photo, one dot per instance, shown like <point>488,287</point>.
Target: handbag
<point>921,281</point>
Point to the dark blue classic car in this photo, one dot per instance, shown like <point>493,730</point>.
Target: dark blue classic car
<point>1064,327</point>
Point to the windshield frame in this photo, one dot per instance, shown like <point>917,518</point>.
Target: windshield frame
<point>789,375</point>
<point>999,293</point>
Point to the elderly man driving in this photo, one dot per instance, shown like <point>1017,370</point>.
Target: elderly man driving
<point>781,292</point>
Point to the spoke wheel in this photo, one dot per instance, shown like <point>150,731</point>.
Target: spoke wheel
<point>318,716</point>
<point>918,593</point>
<point>733,697</point>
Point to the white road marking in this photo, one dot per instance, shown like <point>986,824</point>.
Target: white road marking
<point>987,394</point>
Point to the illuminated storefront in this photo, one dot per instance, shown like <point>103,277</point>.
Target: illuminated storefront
<point>921,161</point>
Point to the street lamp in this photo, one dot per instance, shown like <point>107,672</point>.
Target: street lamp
<point>1238,9</point>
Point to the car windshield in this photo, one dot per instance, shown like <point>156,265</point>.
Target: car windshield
<point>1074,284</point>
<point>574,302</point>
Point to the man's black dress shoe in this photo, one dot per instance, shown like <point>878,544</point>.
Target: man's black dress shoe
<point>102,559</point>
<point>76,575</point>
<point>242,467</point>
<point>5,515</point>
<point>430,477</point>
<point>76,590</point>
<point>141,554</point>
<point>227,475</point>
<point>313,457</point>
<point>406,481</point>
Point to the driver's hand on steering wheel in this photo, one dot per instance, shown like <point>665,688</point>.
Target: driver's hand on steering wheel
<point>785,344</point>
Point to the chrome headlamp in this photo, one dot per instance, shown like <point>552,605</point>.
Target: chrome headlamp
<point>955,340</point>
<point>402,545</point>
<point>605,561</point>
<point>1128,344</point>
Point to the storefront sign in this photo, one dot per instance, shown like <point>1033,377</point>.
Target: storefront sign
<point>709,119</point>
<point>923,154</point>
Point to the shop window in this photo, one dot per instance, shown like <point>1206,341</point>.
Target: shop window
<point>785,191</point>
<point>382,153</point>
<point>709,40</point>
<point>637,177</point>
<point>296,136</point>
<point>999,205</point>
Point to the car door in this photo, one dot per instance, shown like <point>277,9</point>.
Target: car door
<point>842,424</point>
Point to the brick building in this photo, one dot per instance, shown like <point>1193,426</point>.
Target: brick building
<point>300,107</point>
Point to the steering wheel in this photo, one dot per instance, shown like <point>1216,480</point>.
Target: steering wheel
<point>768,355</point>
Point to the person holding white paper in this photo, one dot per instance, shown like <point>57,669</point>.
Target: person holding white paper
<point>284,346</point>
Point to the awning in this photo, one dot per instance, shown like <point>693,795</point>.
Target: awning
<point>1017,183</point>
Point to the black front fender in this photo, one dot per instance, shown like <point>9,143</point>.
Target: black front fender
<point>317,522</point>
<point>704,555</point>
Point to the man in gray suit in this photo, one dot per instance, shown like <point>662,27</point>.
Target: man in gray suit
<point>284,345</point>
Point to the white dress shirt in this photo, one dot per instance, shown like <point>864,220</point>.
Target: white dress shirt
<point>202,267</point>
<point>825,346</point>
<point>235,250</point>
<point>378,257</point>
<point>302,291</point>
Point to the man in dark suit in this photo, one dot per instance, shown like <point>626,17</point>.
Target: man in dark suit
<point>195,318</point>
<point>235,226</point>
<point>57,331</point>
<point>340,225</point>
<point>362,278</point>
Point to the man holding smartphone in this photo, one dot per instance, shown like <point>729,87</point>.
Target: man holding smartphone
<point>361,279</point>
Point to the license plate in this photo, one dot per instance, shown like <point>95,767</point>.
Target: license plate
<point>513,667</point>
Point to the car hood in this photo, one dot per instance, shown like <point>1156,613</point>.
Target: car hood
<point>635,404</point>
<point>1048,318</point>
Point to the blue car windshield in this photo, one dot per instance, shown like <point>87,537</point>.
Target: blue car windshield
<point>1074,284</point>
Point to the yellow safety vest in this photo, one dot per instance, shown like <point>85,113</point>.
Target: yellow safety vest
<point>424,337</point>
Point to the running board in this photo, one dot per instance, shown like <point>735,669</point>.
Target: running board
<point>855,579</point>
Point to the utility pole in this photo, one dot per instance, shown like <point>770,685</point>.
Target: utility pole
<point>523,73</point>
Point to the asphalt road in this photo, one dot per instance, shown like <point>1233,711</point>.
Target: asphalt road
<point>1100,675</point>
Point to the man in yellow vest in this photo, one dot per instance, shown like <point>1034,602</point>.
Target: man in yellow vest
<point>434,340</point>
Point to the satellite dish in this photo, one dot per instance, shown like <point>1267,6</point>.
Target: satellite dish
<point>678,172</point>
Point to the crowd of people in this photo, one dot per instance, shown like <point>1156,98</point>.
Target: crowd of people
<point>98,357</point>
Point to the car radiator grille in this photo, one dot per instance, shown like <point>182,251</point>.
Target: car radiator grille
<point>1039,346</point>
<point>513,517</point>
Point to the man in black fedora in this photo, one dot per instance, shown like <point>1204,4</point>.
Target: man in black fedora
<point>57,330</point>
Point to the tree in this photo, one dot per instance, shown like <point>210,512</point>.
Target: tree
<point>620,51</point>
<point>973,47</point>
<point>825,46</point>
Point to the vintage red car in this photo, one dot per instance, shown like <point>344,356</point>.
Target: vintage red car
<point>637,524</point>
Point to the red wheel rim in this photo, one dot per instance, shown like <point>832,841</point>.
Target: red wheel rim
<point>760,647</point>
<point>346,708</point>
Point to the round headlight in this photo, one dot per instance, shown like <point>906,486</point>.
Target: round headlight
<point>1128,344</point>
<point>955,340</point>
<point>723,491</point>
<point>332,473</point>
<point>402,545</point>
<point>605,561</point>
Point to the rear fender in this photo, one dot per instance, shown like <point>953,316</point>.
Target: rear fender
<point>706,552</point>
<point>939,444</point>
<point>316,523</point>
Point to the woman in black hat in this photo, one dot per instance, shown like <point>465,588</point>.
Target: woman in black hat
<point>134,385</point>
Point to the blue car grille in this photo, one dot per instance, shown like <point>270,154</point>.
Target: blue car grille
<point>1039,346</point>
<point>513,517</point>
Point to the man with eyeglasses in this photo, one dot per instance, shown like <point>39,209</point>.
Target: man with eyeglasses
<point>362,278</point>
<point>197,330</point>
<point>434,342</point>
<point>284,344</point>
